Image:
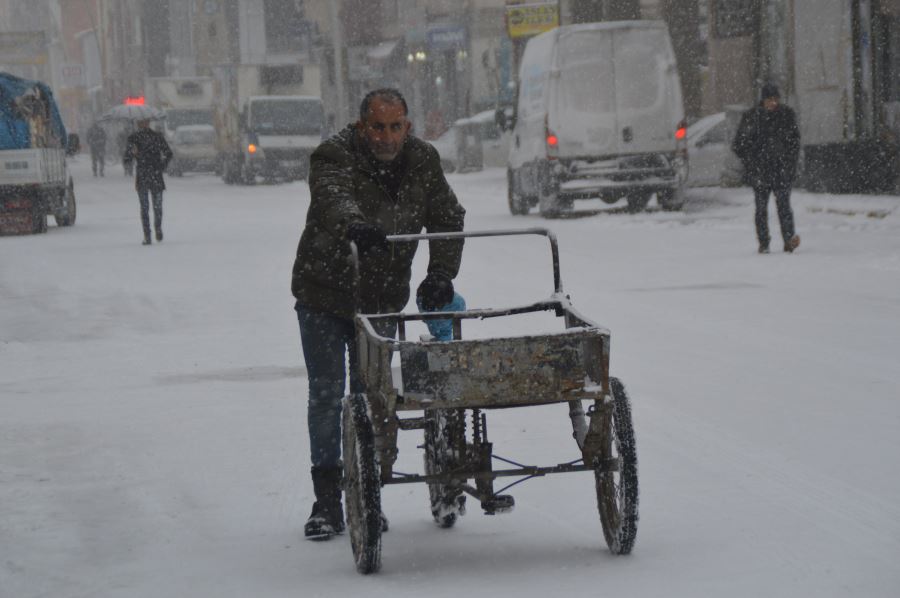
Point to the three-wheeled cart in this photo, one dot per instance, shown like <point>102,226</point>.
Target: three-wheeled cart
<point>453,384</point>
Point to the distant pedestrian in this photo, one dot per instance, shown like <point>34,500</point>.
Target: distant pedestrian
<point>768,144</point>
<point>96,138</point>
<point>122,146</point>
<point>152,154</point>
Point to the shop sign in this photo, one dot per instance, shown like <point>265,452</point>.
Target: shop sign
<point>526,20</point>
<point>451,37</point>
<point>23,47</point>
<point>71,75</point>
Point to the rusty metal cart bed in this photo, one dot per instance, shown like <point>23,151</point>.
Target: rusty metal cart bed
<point>453,384</point>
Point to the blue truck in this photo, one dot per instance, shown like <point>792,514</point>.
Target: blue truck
<point>34,178</point>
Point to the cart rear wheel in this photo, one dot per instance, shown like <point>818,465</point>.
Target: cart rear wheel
<point>363,486</point>
<point>444,438</point>
<point>617,491</point>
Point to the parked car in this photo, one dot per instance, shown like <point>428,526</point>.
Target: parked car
<point>599,114</point>
<point>712,163</point>
<point>473,143</point>
<point>447,150</point>
<point>193,149</point>
<point>707,147</point>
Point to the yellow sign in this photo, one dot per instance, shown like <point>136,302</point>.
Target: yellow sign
<point>525,20</point>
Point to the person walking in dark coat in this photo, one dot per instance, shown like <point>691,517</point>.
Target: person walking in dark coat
<point>152,154</point>
<point>122,146</point>
<point>96,138</point>
<point>768,144</point>
<point>370,180</point>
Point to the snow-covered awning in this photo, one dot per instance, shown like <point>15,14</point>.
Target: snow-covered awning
<point>383,50</point>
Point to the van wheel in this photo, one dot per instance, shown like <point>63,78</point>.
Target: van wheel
<point>229,171</point>
<point>670,200</point>
<point>247,177</point>
<point>550,204</point>
<point>638,200</point>
<point>518,205</point>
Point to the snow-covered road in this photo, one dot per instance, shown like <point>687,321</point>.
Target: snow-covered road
<point>152,405</point>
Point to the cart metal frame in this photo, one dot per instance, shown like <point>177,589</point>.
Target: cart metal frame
<point>454,383</point>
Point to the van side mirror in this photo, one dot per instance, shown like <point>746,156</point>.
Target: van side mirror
<point>73,144</point>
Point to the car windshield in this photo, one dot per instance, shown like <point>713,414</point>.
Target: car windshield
<point>287,117</point>
<point>195,137</point>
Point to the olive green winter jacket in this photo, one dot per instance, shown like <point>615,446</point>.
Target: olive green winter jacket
<point>344,190</point>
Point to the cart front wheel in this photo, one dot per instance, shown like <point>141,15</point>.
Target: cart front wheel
<point>444,438</point>
<point>362,485</point>
<point>617,487</point>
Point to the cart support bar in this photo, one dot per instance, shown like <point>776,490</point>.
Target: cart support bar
<point>608,465</point>
<point>554,249</point>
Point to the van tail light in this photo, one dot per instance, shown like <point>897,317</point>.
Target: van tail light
<point>552,142</point>
<point>681,131</point>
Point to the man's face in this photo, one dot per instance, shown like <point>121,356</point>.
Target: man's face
<point>770,103</point>
<point>385,128</point>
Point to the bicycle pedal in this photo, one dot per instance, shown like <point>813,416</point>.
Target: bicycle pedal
<point>498,504</point>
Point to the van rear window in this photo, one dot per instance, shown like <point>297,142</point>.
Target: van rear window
<point>597,66</point>
<point>641,59</point>
<point>586,73</point>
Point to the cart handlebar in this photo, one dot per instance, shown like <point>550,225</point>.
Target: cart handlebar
<point>554,249</point>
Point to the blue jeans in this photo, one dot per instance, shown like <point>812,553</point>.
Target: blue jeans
<point>145,209</point>
<point>327,340</point>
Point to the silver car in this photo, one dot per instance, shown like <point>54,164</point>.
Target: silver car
<point>194,150</point>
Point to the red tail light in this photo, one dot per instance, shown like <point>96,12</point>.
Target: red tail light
<point>681,131</point>
<point>552,140</point>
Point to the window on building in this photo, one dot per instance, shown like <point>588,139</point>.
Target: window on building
<point>286,27</point>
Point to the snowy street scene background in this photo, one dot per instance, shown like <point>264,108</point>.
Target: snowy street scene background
<point>153,432</point>
<point>154,426</point>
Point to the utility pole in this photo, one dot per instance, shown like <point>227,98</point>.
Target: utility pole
<point>337,48</point>
<point>683,19</point>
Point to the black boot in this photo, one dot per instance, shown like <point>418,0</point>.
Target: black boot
<point>327,517</point>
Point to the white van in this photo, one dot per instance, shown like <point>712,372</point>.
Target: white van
<point>599,115</point>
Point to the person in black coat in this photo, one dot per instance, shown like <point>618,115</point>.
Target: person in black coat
<point>152,154</point>
<point>768,144</point>
<point>96,138</point>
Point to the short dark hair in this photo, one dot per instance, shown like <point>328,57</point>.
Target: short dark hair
<point>769,90</point>
<point>385,93</point>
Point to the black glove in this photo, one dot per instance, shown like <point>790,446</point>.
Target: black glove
<point>436,291</point>
<point>366,236</point>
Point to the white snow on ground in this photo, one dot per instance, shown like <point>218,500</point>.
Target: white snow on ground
<point>153,429</point>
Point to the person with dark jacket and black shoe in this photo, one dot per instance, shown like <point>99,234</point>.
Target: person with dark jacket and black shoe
<point>152,154</point>
<point>96,138</point>
<point>371,180</point>
<point>768,144</point>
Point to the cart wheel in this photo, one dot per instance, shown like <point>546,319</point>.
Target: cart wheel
<point>444,435</point>
<point>362,485</point>
<point>617,491</point>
